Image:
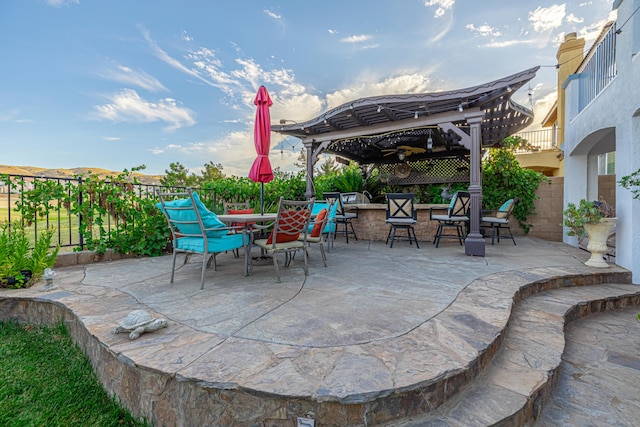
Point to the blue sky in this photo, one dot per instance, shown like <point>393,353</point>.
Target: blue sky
<point>119,83</point>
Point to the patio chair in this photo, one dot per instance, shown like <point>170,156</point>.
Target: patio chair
<point>194,229</point>
<point>291,223</point>
<point>457,217</point>
<point>234,208</point>
<point>343,219</point>
<point>499,220</point>
<point>401,215</point>
<point>317,229</point>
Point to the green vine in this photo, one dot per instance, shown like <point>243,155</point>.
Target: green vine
<point>632,182</point>
<point>503,178</point>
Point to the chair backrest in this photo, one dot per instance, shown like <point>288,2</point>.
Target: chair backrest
<point>330,222</point>
<point>460,204</point>
<point>292,221</point>
<point>187,216</point>
<point>400,206</point>
<point>230,207</point>
<point>507,207</point>
<point>337,199</point>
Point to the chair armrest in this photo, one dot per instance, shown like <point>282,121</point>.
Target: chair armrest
<point>352,209</point>
<point>436,209</point>
<point>265,226</point>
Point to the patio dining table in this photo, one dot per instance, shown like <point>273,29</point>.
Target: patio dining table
<point>247,218</point>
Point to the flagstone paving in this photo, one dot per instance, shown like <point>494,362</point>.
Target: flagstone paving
<point>380,336</point>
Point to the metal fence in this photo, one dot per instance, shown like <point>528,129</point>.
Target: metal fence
<point>59,214</point>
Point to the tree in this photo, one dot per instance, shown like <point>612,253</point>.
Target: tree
<point>302,159</point>
<point>212,172</point>
<point>329,167</point>
<point>178,176</point>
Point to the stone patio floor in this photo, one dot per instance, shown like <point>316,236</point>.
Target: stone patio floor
<point>378,332</point>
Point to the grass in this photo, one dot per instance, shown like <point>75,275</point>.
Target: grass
<point>45,379</point>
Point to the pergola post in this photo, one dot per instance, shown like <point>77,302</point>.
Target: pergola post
<point>474,243</point>
<point>310,191</point>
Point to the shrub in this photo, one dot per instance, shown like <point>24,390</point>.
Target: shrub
<point>21,265</point>
<point>503,178</point>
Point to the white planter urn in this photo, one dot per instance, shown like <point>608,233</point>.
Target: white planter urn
<point>598,235</point>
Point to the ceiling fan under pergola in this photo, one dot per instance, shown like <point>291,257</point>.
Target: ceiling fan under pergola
<point>403,151</point>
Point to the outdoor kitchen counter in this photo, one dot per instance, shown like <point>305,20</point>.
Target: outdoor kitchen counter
<point>370,223</point>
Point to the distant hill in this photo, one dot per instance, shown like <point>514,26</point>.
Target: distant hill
<point>70,173</point>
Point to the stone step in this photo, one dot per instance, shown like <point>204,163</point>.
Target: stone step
<point>514,386</point>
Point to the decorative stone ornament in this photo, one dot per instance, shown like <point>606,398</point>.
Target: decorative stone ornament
<point>49,274</point>
<point>138,322</point>
<point>598,235</point>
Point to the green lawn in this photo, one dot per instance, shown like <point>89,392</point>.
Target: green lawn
<point>46,380</point>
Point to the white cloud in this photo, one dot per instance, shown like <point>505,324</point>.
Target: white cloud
<point>61,3</point>
<point>484,30</point>
<point>507,43</point>
<point>356,39</point>
<point>547,18</point>
<point>165,57</point>
<point>591,32</point>
<point>332,31</point>
<point>447,28</point>
<point>574,19</point>
<point>127,76</point>
<point>128,106</point>
<point>112,138</point>
<point>442,6</point>
<point>272,14</point>
<point>8,116</point>
<point>406,83</point>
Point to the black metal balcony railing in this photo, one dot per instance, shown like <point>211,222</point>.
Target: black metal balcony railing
<point>58,214</point>
<point>539,140</point>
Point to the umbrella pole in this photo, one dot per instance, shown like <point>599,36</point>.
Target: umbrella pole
<point>262,198</point>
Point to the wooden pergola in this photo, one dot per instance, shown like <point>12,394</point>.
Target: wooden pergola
<point>419,129</point>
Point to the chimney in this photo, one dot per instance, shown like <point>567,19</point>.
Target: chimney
<point>570,55</point>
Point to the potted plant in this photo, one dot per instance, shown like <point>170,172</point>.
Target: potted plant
<point>20,264</point>
<point>594,220</point>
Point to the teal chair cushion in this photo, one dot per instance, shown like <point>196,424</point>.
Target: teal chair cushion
<point>330,226</point>
<point>219,244</point>
<point>209,219</point>
<point>504,209</point>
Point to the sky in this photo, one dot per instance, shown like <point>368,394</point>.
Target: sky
<point>118,84</point>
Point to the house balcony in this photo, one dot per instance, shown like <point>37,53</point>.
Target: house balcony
<point>542,153</point>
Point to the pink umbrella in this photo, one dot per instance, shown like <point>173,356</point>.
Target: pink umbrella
<point>261,169</point>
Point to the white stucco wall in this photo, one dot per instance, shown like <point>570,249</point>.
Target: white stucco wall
<point>608,121</point>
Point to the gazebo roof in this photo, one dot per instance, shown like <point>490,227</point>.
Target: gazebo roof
<point>429,125</point>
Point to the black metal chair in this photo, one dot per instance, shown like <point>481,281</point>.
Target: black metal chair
<point>457,217</point>
<point>499,220</point>
<point>343,219</point>
<point>401,215</point>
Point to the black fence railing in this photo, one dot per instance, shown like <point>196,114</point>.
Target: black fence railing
<point>57,213</point>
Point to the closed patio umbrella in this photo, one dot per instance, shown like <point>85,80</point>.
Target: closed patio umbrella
<point>261,169</point>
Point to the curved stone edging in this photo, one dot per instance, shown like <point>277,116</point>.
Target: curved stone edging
<point>512,390</point>
<point>168,396</point>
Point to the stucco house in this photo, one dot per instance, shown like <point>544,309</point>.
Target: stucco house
<point>601,114</point>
